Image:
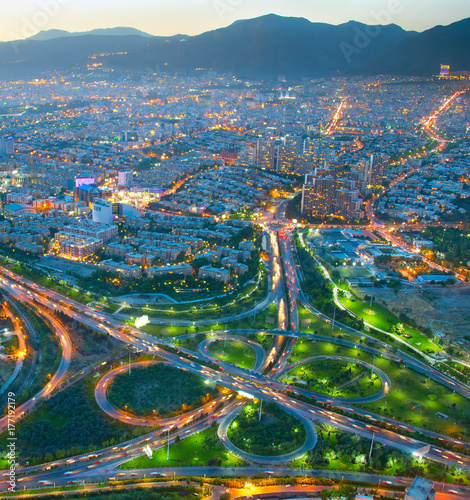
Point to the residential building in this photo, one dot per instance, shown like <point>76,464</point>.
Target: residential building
<point>124,270</point>
<point>215,273</point>
<point>184,269</point>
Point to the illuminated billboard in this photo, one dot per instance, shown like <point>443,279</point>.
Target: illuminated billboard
<point>445,70</point>
<point>84,181</point>
<point>142,321</point>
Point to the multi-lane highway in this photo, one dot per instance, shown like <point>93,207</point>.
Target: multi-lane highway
<point>245,382</point>
<point>20,355</point>
<point>66,348</point>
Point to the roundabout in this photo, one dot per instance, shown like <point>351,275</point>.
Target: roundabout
<point>308,444</point>
<point>386,383</point>
<point>101,396</point>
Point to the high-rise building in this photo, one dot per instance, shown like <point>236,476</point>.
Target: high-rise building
<point>247,156</point>
<point>377,172</point>
<point>445,71</point>
<point>290,157</point>
<point>265,155</point>
<point>125,177</point>
<point>328,195</point>
<point>289,111</point>
<point>129,136</point>
<point>7,145</point>
<point>319,152</point>
<point>102,211</point>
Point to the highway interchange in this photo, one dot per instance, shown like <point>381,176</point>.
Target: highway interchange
<point>285,284</point>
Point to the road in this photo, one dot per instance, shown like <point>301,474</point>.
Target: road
<point>239,380</point>
<point>66,346</point>
<point>336,117</point>
<point>20,354</point>
<point>428,123</point>
<point>127,418</point>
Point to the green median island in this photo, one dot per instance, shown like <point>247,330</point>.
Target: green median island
<point>237,353</point>
<point>277,433</point>
<point>335,377</point>
<point>159,390</point>
<point>192,449</point>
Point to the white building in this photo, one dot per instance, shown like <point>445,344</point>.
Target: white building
<point>102,211</point>
<point>125,177</point>
<point>123,269</point>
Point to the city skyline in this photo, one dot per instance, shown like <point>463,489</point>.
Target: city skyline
<point>235,265</point>
<point>160,19</point>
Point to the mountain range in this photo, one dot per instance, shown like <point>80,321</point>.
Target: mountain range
<point>119,31</point>
<point>264,47</point>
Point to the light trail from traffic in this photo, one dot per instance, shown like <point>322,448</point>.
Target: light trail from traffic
<point>336,117</point>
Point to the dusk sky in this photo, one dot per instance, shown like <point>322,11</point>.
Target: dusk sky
<point>163,17</point>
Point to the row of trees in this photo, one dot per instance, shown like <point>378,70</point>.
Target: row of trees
<point>68,424</point>
<point>334,445</point>
<point>451,242</point>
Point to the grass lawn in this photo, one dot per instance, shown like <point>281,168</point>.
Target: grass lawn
<point>242,302</point>
<point>343,464</point>
<point>195,450</point>
<point>335,378</point>
<point>236,353</point>
<point>151,309</point>
<point>310,323</point>
<point>379,316</point>
<point>409,390</point>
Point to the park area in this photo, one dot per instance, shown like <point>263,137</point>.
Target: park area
<point>378,316</point>
<point>336,378</point>
<point>412,399</point>
<point>277,433</point>
<point>264,320</point>
<point>158,390</point>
